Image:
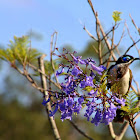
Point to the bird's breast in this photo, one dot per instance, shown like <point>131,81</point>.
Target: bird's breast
<point>119,78</point>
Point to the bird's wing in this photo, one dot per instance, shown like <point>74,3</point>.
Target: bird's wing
<point>108,73</point>
<point>130,80</point>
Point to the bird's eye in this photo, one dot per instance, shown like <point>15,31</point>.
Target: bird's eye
<point>126,58</point>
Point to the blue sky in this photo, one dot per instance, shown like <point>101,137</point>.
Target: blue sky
<point>17,17</point>
<point>67,18</point>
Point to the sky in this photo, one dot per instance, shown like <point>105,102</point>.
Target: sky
<point>18,17</point>
<point>66,17</point>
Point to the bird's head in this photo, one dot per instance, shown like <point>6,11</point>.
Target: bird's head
<point>126,59</point>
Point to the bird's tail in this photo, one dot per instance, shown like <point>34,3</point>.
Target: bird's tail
<point>121,116</point>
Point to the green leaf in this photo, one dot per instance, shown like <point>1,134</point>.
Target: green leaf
<point>19,50</point>
<point>131,101</point>
<point>88,88</point>
<point>116,16</point>
<point>48,67</point>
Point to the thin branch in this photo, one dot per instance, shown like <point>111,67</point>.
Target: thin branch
<point>111,130</point>
<point>95,49</point>
<point>36,69</point>
<point>107,61</point>
<point>134,129</point>
<point>112,44</point>
<point>132,46</point>
<point>134,43</point>
<point>138,89</point>
<point>46,95</point>
<point>116,45</point>
<point>99,42</point>
<point>134,24</point>
<point>29,78</point>
<point>90,34</point>
<point>101,29</point>
<point>51,53</point>
<point>120,135</point>
<point>138,115</point>
<point>79,130</point>
<point>114,27</point>
<point>122,131</point>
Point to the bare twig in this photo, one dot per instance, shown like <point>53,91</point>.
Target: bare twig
<point>134,129</point>
<point>138,89</point>
<point>116,45</point>
<point>120,135</point>
<point>99,42</point>
<point>79,130</point>
<point>51,53</point>
<point>122,131</point>
<point>134,43</point>
<point>36,69</point>
<point>138,115</point>
<point>46,95</point>
<point>101,28</point>
<point>134,24</point>
<point>30,79</point>
<point>112,44</point>
<point>111,130</point>
<point>90,34</point>
<point>113,28</point>
<point>132,46</point>
<point>95,49</point>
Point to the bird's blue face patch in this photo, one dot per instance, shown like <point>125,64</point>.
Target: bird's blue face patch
<point>126,58</point>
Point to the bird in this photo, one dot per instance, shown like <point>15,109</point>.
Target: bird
<point>119,79</point>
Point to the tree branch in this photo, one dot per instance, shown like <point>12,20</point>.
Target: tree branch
<point>79,130</point>
<point>46,95</point>
<point>101,28</point>
<point>134,129</point>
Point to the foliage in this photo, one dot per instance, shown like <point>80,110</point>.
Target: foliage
<point>19,51</point>
<point>49,68</point>
<point>131,101</point>
<point>116,16</point>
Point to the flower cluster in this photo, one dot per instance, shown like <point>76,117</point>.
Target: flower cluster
<point>81,74</point>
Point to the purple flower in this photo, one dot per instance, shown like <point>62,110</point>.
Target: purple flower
<point>113,109</point>
<point>89,110</point>
<point>91,60</point>
<point>81,100</point>
<point>83,62</point>
<point>69,86</point>
<point>52,113</point>
<point>58,73</point>
<point>109,114</point>
<point>92,93</point>
<point>45,102</point>
<point>89,81</point>
<point>75,77</point>
<point>106,118</point>
<point>82,84</point>
<point>75,71</point>
<point>70,102</point>
<point>76,59</point>
<point>86,82</point>
<point>98,69</point>
<point>63,106</point>
<point>98,116</point>
<point>77,108</point>
<point>66,115</point>
<point>120,101</point>
<point>92,74</point>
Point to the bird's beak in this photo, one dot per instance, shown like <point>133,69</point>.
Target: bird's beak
<point>136,58</point>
